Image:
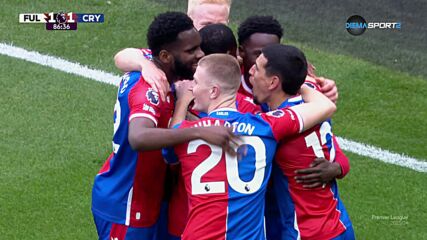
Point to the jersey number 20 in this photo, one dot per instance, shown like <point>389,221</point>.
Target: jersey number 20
<point>234,180</point>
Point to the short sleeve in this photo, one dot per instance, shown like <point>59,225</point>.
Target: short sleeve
<point>341,159</point>
<point>144,102</point>
<point>147,53</point>
<point>311,82</point>
<point>284,122</point>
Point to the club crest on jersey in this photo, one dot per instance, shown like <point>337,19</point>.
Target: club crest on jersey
<point>152,96</point>
<point>276,113</point>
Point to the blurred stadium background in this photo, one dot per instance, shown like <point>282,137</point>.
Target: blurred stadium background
<point>56,127</point>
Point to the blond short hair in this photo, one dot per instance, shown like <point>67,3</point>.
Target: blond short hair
<point>224,70</point>
<point>194,3</point>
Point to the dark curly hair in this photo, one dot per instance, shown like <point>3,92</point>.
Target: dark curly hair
<point>165,29</point>
<point>217,38</point>
<point>259,24</point>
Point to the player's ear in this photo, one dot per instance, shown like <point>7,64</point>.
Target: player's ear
<point>274,82</point>
<point>214,92</point>
<point>165,56</point>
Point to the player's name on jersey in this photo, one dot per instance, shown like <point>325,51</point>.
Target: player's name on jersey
<point>239,127</point>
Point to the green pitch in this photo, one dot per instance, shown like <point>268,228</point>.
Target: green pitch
<point>56,128</point>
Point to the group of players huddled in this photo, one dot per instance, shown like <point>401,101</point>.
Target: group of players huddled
<point>220,139</point>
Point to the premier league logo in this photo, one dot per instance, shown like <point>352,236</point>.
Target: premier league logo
<point>276,113</point>
<point>61,18</point>
<point>152,96</point>
<point>60,21</point>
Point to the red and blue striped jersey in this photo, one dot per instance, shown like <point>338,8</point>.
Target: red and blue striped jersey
<point>226,195</point>
<point>129,187</point>
<point>308,213</point>
<point>178,205</point>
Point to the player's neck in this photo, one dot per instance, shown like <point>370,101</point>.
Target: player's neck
<point>226,102</point>
<point>277,99</point>
<point>171,77</point>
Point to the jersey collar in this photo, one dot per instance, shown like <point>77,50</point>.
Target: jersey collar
<point>290,102</point>
<point>223,112</point>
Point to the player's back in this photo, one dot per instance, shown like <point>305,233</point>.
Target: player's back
<point>226,195</point>
<point>319,212</point>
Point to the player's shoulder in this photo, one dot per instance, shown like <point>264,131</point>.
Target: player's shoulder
<point>147,53</point>
<point>277,114</point>
<point>133,78</point>
<point>283,122</point>
<point>254,119</point>
<point>134,86</point>
<point>128,81</point>
<point>245,104</point>
<point>242,98</point>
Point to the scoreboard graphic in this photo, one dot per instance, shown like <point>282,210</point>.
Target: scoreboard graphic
<point>61,20</point>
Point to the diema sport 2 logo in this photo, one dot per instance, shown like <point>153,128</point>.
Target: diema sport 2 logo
<point>357,25</point>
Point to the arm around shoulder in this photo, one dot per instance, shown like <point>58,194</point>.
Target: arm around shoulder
<point>316,109</point>
<point>129,59</point>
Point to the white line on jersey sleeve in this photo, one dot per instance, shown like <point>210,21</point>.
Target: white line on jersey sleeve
<point>145,115</point>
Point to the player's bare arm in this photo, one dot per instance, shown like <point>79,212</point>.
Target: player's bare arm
<point>317,108</point>
<point>184,97</point>
<point>321,171</point>
<point>144,136</point>
<point>132,59</point>
<point>129,59</point>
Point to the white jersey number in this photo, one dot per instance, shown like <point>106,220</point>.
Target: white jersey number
<point>117,120</point>
<point>313,141</point>
<point>199,187</point>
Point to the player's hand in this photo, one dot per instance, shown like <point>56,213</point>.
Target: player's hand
<point>183,90</point>
<point>156,78</point>
<point>311,70</point>
<point>222,137</point>
<point>328,88</point>
<point>320,172</point>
